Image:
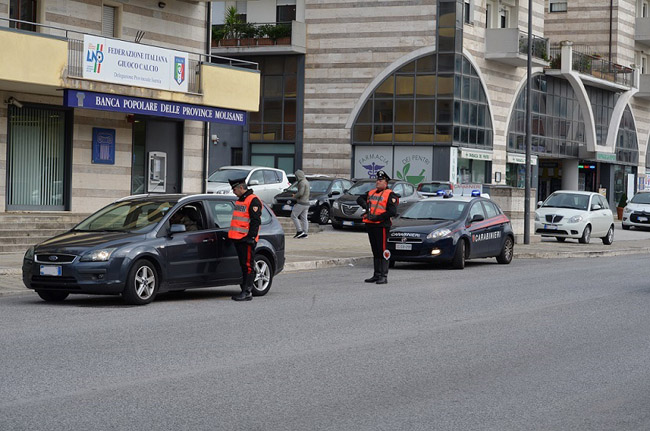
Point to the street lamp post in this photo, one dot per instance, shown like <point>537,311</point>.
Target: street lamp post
<point>527,176</point>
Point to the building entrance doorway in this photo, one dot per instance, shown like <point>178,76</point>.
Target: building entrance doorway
<point>157,156</point>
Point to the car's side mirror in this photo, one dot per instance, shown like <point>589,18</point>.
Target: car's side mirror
<point>177,228</point>
<point>477,217</point>
<point>253,182</point>
<point>398,195</point>
<point>335,193</point>
<point>596,207</point>
<point>539,204</point>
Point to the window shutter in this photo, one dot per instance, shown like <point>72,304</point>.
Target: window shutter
<point>108,21</point>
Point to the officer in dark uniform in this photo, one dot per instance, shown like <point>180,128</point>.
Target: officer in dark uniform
<point>380,204</point>
<point>244,232</point>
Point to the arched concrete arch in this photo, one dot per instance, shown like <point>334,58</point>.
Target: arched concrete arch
<point>615,122</point>
<point>520,86</point>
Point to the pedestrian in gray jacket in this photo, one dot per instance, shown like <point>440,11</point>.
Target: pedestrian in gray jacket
<point>301,208</point>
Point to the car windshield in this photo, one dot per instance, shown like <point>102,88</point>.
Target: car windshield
<point>435,210</point>
<point>641,198</point>
<point>361,187</point>
<point>432,188</point>
<point>567,200</point>
<point>223,175</point>
<point>315,186</point>
<point>128,216</point>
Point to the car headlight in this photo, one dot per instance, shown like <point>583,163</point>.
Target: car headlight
<point>335,205</point>
<point>97,255</point>
<point>313,202</point>
<point>537,217</point>
<point>627,210</point>
<point>440,233</point>
<point>575,219</point>
<point>29,254</point>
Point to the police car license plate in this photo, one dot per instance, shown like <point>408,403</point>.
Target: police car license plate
<point>53,270</point>
<point>348,223</point>
<point>287,207</point>
<point>403,246</point>
<point>642,218</point>
<point>550,226</point>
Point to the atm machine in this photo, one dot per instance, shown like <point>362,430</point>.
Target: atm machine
<point>157,172</point>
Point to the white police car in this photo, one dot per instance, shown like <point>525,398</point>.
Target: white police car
<point>449,228</point>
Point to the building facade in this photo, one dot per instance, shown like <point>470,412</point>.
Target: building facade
<point>435,90</point>
<point>118,105</point>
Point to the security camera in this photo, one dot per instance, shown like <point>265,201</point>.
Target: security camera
<point>16,103</point>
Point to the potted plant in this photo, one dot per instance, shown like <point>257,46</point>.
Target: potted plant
<point>621,204</point>
<point>280,33</point>
<point>248,33</point>
<point>231,27</point>
<point>218,33</point>
<point>263,33</point>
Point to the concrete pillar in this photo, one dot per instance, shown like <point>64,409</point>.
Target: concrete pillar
<point>570,174</point>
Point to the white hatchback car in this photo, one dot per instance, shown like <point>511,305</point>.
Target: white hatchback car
<point>265,182</point>
<point>573,214</point>
<point>637,211</point>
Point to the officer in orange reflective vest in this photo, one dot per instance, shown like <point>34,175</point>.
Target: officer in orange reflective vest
<point>380,204</point>
<point>244,232</point>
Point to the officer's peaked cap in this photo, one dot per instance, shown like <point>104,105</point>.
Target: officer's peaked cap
<point>382,175</point>
<point>234,183</point>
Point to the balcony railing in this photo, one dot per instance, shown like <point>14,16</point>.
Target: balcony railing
<point>76,53</point>
<point>252,34</point>
<point>594,65</point>
<point>540,46</point>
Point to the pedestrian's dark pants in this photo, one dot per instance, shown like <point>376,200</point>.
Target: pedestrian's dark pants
<point>246,262</point>
<point>378,236</point>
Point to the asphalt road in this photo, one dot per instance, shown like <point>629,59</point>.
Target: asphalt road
<point>536,345</point>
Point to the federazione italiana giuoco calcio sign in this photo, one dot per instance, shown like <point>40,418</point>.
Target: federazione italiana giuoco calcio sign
<point>120,62</point>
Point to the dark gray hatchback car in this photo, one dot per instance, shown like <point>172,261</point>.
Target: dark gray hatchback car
<point>143,245</point>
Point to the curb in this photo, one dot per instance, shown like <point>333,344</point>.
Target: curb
<point>581,254</point>
<point>325,263</point>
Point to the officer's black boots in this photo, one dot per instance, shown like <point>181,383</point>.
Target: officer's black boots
<point>246,289</point>
<point>383,277</point>
<point>376,273</point>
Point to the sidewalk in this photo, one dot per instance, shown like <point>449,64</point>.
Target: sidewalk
<point>332,248</point>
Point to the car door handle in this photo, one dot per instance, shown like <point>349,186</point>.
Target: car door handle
<point>208,240</point>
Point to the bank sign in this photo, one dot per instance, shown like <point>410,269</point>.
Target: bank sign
<point>159,108</point>
<point>126,63</point>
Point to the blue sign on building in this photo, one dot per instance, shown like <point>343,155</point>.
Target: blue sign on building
<point>104,146</point>
<point>161,108</point>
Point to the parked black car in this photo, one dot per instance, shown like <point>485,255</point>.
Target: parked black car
<point>451,229</point>
<point>347,212</point>
<point>143,245</point>
<point>322,193</point>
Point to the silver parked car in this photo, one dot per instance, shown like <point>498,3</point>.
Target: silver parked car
<point>265,182</point>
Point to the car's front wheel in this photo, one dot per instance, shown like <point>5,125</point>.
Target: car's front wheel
<point>609,238</point>
<point>586,235</point>
<point>337,224</point>
<point>507,251</point>
<point>625,226</point>
<point>51,296</point>
<point>263,275</point>
<point>142,283</point>
<point>458,262</point>
<point>323,214</point>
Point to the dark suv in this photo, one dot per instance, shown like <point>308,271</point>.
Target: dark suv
<point>347,212</point>
<point>322,193</point>
<point>143,245</point>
